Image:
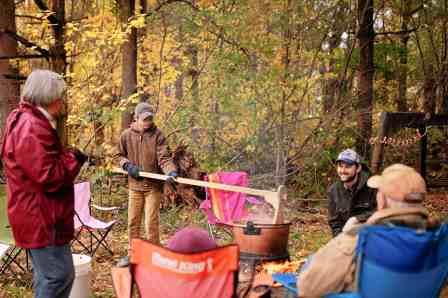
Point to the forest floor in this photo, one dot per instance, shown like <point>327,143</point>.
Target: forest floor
<point>308,232</point>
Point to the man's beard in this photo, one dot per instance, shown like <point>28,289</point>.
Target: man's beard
<point>349,179</point>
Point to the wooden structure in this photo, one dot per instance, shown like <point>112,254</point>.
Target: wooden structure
<point>392,122</point>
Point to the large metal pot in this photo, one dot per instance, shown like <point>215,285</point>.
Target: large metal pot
<point>263,241</point>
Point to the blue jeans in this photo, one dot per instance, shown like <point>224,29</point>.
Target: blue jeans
<point>53,271</point>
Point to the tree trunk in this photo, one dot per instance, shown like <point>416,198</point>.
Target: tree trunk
<point>9,86</point>
<point>330,85</point>
<point>444,76</point>
<point>177,62</point>
<point>280,167</point>
<point>179,85</point>
<point>366,70</point>
<point>429,91</point>
<point>129,61</point>
<point>444,89</point>
<point>58,59</point>
<point>194,72</point>
<point>403,68</point>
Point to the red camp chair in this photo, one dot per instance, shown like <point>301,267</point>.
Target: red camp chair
<point>161,273</point>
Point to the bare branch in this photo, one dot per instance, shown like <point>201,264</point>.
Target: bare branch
<point>189,3</point>
<point>176,131</point>
<point>35,56</point>
<point>219,33</point>
<point>51,17</point>
<point>28,17</point>
<point>417,9</point>
<point>27,43</point>
<point>16,77</point>
<point>401,32</point>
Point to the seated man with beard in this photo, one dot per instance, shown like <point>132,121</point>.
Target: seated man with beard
<point>349,196</point>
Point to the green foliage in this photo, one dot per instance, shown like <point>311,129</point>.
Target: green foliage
<point>387,56</point>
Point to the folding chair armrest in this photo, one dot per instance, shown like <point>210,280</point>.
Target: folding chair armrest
<point>343,295</point>
<point>3,249</point>
<point>104,208</point>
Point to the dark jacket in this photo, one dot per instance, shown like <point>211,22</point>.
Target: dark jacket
<point>149,151</point>
<point>39,174</point>
<point>344,203</point>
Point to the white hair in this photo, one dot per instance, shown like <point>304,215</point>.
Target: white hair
<point>400,204</point>
<point>43,87</point>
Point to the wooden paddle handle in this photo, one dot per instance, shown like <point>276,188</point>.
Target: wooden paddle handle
<point>271,197</point>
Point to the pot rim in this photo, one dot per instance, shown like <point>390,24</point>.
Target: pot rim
<point>239,224</point>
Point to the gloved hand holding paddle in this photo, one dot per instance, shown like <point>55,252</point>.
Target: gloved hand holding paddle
<point>171,180</point>
<point>132,170</point>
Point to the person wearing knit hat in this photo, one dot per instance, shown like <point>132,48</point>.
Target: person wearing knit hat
<point>143,147</point>
<point>349,196</point>
<point>191,240</point>
<point>400,196</point>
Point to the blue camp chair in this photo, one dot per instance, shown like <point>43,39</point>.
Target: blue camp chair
<point>401,262</point>
<point>396,262</point>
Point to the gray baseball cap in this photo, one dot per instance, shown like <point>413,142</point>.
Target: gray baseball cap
<point>143,110</point>
<point>349,156</point>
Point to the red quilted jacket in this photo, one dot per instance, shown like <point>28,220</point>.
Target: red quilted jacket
<point>39,174</point>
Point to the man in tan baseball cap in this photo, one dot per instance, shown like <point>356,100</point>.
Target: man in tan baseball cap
<point>400,183</point>
<point>401,192</point>
<point>144,148</point>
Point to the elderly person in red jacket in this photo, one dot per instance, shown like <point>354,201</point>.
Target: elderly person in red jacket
<point>40,174</point>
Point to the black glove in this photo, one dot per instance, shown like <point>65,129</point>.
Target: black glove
<point>92,160</point>
<point>132,170</point>
<point>80,157</point>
